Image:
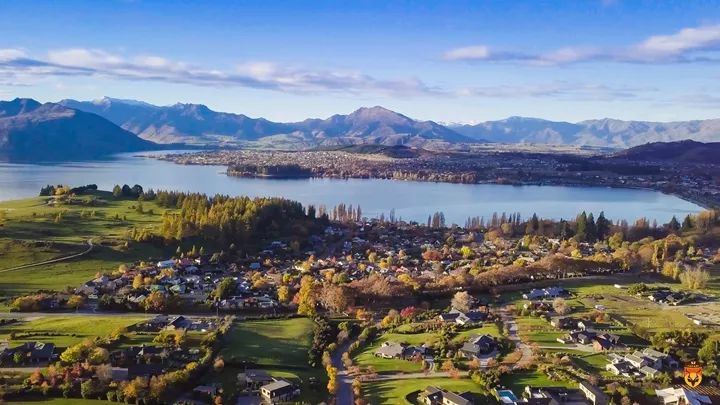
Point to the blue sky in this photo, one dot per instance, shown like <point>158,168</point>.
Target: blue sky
<point>451,61</point>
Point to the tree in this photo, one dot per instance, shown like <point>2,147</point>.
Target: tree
<point>283,294</point>
<point>99,355</point>
<point>603,226</point>
<point>674,224</point>
<point>581,227</point>
<point>334,297</point>
<point>117,191</point>
<point>73,354</point>
<point>75,302</point>
<point>695,279</point>
<point>224,289</point>
<point>137,281</point>
<point>687,224</point>
<point>466,252</point>
<point>560,306</point>
<point>306,298</point>
<point>462,301</point>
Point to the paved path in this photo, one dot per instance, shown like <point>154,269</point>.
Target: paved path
<point>59,259</point>
<point>511,326</point>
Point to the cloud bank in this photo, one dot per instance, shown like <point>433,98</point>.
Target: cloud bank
<point>696,44</point>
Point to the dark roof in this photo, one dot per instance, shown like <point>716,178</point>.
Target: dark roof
<point>144,370</point>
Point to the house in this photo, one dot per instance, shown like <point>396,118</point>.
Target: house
<point>636,360</point>
<point>593,394</point>
<point>437,396</point>
<point>254,379</point>
<point>278,391</point>
<point>681,396</point>
<point>545,293</point>
<point>470,317</point>
<point>390,350</point>
<point>660,359</point>
<point>32,352</point>
<point>205,391</point>
<point>448,316</point>
<point>601,345</point>
<point>166,264</point>
<point>178,322</point>
<point>144,370</point>
<point>562,322</point>
<point>476,346</point>
<point>649,371</point>
<point>621,367</point>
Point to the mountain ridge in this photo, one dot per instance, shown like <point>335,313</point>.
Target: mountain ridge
<point>31,130</point>
<point>196,123</point>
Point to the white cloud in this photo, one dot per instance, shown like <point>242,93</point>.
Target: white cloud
<point>477,52</point>
<point>699,44</point>
<point>259,75</point>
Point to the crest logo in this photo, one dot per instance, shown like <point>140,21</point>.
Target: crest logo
<point>693,375</point>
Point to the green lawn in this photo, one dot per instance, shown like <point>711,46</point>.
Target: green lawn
<point>394,392</point>
<point>517,381</point>
<point>539,331</point>
<point>279,346</point>
<point>367,358</point>
<point>271,342</point>
<point>594,363</point>
<point>71,329</point>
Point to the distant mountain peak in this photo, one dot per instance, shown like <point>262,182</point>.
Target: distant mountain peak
<point>18,106</point>
<point>110,100</point>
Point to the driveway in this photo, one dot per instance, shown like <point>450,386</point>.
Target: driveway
<point>526,352</point>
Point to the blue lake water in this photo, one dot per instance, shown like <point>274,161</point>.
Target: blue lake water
<point>410,200</point>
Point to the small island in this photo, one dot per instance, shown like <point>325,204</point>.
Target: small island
<point>291,171</point>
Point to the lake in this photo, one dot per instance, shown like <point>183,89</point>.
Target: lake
<point>410,200</point>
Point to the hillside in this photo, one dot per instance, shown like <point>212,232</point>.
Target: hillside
<point>681,152</point>
<point>30,130</point>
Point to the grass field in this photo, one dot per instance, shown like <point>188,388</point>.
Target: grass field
<point>71,329</point>
<point>272,342</point>
<point>33,231</point>
<point>278,346</point>
<point>539,331</point>
<point>394,392</point>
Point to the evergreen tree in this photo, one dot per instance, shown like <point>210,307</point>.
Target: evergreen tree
<point>687,224</point>
<point>674,225</point>
<point>591,229</point>
<point>581,227</point>
<point>603,226</point>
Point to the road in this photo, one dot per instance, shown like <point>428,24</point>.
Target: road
<point>57,260</point>
<point>344,394</point>
<point>511,326</point>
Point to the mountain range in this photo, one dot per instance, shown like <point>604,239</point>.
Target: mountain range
<point>197,124</point>
<point>604,132</point>
<point>30,130</point>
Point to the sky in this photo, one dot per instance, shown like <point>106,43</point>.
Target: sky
<point>449,61</point>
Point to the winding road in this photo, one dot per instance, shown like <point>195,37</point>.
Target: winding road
<point>56,260</point>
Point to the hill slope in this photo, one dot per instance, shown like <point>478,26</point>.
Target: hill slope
<point>30,130</point>
<point>680,152</point>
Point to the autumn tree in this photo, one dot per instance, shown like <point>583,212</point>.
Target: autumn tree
<point>462,301</point>
<point>306,297</point>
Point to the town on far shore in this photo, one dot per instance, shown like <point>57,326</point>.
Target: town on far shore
<point>150,296</point>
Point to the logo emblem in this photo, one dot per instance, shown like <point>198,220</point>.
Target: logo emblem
<point>693,375</point>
